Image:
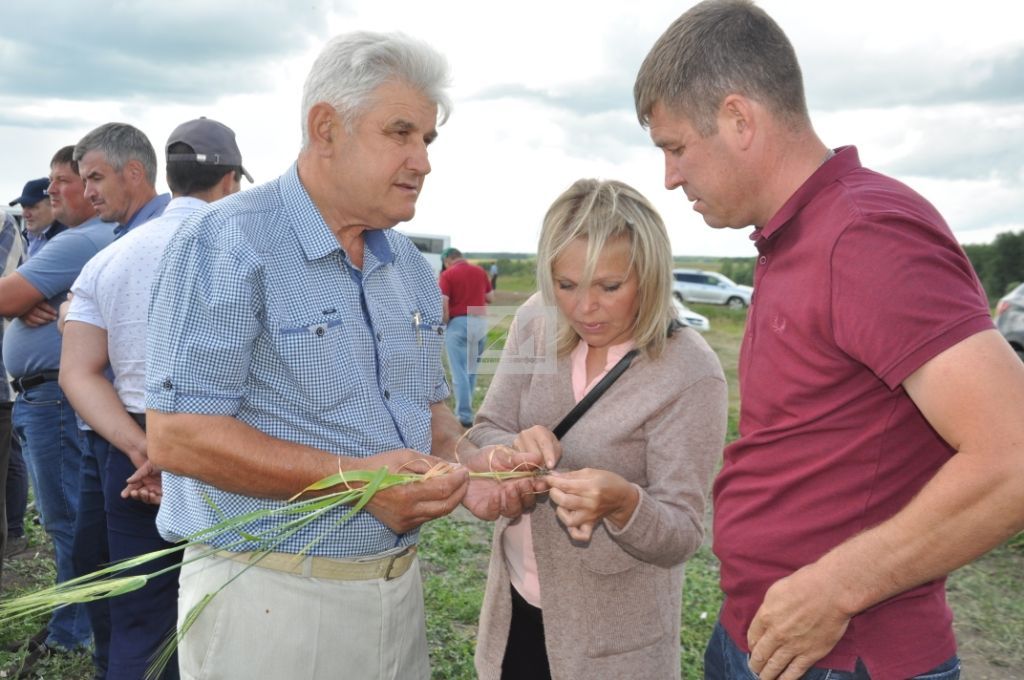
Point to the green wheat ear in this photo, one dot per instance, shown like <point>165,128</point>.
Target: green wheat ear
<point>110,581</point>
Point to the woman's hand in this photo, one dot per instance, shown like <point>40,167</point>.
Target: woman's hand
<point>539,439</point>
<point>587,496</point>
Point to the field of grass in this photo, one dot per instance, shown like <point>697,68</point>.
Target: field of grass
<point>987,596</point>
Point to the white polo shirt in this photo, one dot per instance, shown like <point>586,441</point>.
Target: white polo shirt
<point>112,293</point>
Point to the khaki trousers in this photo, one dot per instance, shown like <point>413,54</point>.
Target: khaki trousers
<point>271,624</point>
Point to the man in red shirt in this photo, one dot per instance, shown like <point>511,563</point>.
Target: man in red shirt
<point>467,290</point>
<point>880,444</point>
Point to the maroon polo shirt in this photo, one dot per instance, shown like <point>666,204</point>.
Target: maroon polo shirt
<point>858,284</point>
<point>466,285</point>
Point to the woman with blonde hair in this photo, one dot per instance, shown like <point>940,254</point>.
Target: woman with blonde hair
<point>589,584</point>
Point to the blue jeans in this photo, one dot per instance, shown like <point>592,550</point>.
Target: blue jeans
<point>51,443</point>
<point>465,333</point>
<point>17,491</point>
<point>724,660</point>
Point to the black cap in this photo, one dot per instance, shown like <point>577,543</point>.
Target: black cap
<point>213,142</point>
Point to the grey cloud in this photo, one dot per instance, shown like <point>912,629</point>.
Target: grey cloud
<point>185,51</point>
<point>583,99</point>
<point>837,81</point>
<point>965,143</point>
<point>8,118</point>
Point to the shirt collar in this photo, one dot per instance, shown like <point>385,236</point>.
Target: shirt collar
<point>153,207</point>
<point>844,160</point>
<point>314,236</point>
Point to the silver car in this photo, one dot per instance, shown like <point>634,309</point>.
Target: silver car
<point>1010,319</point>
<point>697,285</point>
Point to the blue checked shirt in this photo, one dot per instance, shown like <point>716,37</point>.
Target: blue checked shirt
<point>257,313</point>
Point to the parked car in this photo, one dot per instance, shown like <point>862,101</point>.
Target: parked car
<point>697,285</point>
<point>1010,319</point>
<point>697,322</point>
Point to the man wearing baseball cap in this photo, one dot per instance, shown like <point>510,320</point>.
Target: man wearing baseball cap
<point>37,213</point>
<point>106,325</point>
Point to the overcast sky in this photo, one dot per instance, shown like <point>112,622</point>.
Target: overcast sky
<point>931,92</point>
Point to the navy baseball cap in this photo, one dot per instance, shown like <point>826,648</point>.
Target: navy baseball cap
<point>34,191</point>
<point>214,144</point>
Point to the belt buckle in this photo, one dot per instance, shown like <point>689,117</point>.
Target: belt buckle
<point>391,563</point>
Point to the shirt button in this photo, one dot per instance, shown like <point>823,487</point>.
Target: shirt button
<point>379,337</point>
<point>387,394</point>
<point>320,331</point>
<point>168,384</point>
<point>763,259</point>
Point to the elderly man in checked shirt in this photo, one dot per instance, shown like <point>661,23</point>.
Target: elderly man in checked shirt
<point>293,334</point>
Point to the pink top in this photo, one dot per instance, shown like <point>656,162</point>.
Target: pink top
<point>517,539</point>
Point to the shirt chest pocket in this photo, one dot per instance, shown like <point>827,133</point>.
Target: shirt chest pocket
<point>431,346</point>
<point>317,362</point>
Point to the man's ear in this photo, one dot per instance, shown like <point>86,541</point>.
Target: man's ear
<point>324,125</point>
<point>737,118</point>
<point>135,172</point>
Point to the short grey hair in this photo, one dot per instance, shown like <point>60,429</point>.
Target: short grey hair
<point>718,48</point>
<point>352,65</point>
<point>120,143</point>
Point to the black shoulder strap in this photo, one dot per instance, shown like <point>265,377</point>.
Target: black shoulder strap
<point>594,394</point>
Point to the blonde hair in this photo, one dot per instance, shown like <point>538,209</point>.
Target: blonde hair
<point>600,211</point>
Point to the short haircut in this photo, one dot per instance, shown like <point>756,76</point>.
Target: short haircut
<point>352,65</point>
<point>188,178</point>
<point>599,211</point>
<point>718,48</point>
<point>120,143</point>
<point>65,155</point>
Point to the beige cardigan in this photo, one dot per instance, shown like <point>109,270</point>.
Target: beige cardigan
<point>611,606</point>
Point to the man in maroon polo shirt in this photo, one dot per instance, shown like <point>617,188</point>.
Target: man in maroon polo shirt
<point>466,289</point>
<point>880,444</point>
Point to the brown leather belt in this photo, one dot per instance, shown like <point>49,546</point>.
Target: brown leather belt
<point>387,567</point>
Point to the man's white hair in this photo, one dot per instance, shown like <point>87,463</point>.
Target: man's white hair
<point>352,65</point>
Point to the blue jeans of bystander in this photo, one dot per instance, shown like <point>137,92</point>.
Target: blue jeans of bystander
<point>51,443</point>
<point>464,342</point>
<point>724,660</point>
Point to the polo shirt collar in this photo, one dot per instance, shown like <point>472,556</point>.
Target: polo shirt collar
<point>154,207</point>
<point>314,236</point>
<point>844,161</point>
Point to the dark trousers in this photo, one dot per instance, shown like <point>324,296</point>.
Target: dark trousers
<point>17,490</point>
<point>5,451</point>
<point>140,621</point>
<point>526,657</point>
<point>90,544</point>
